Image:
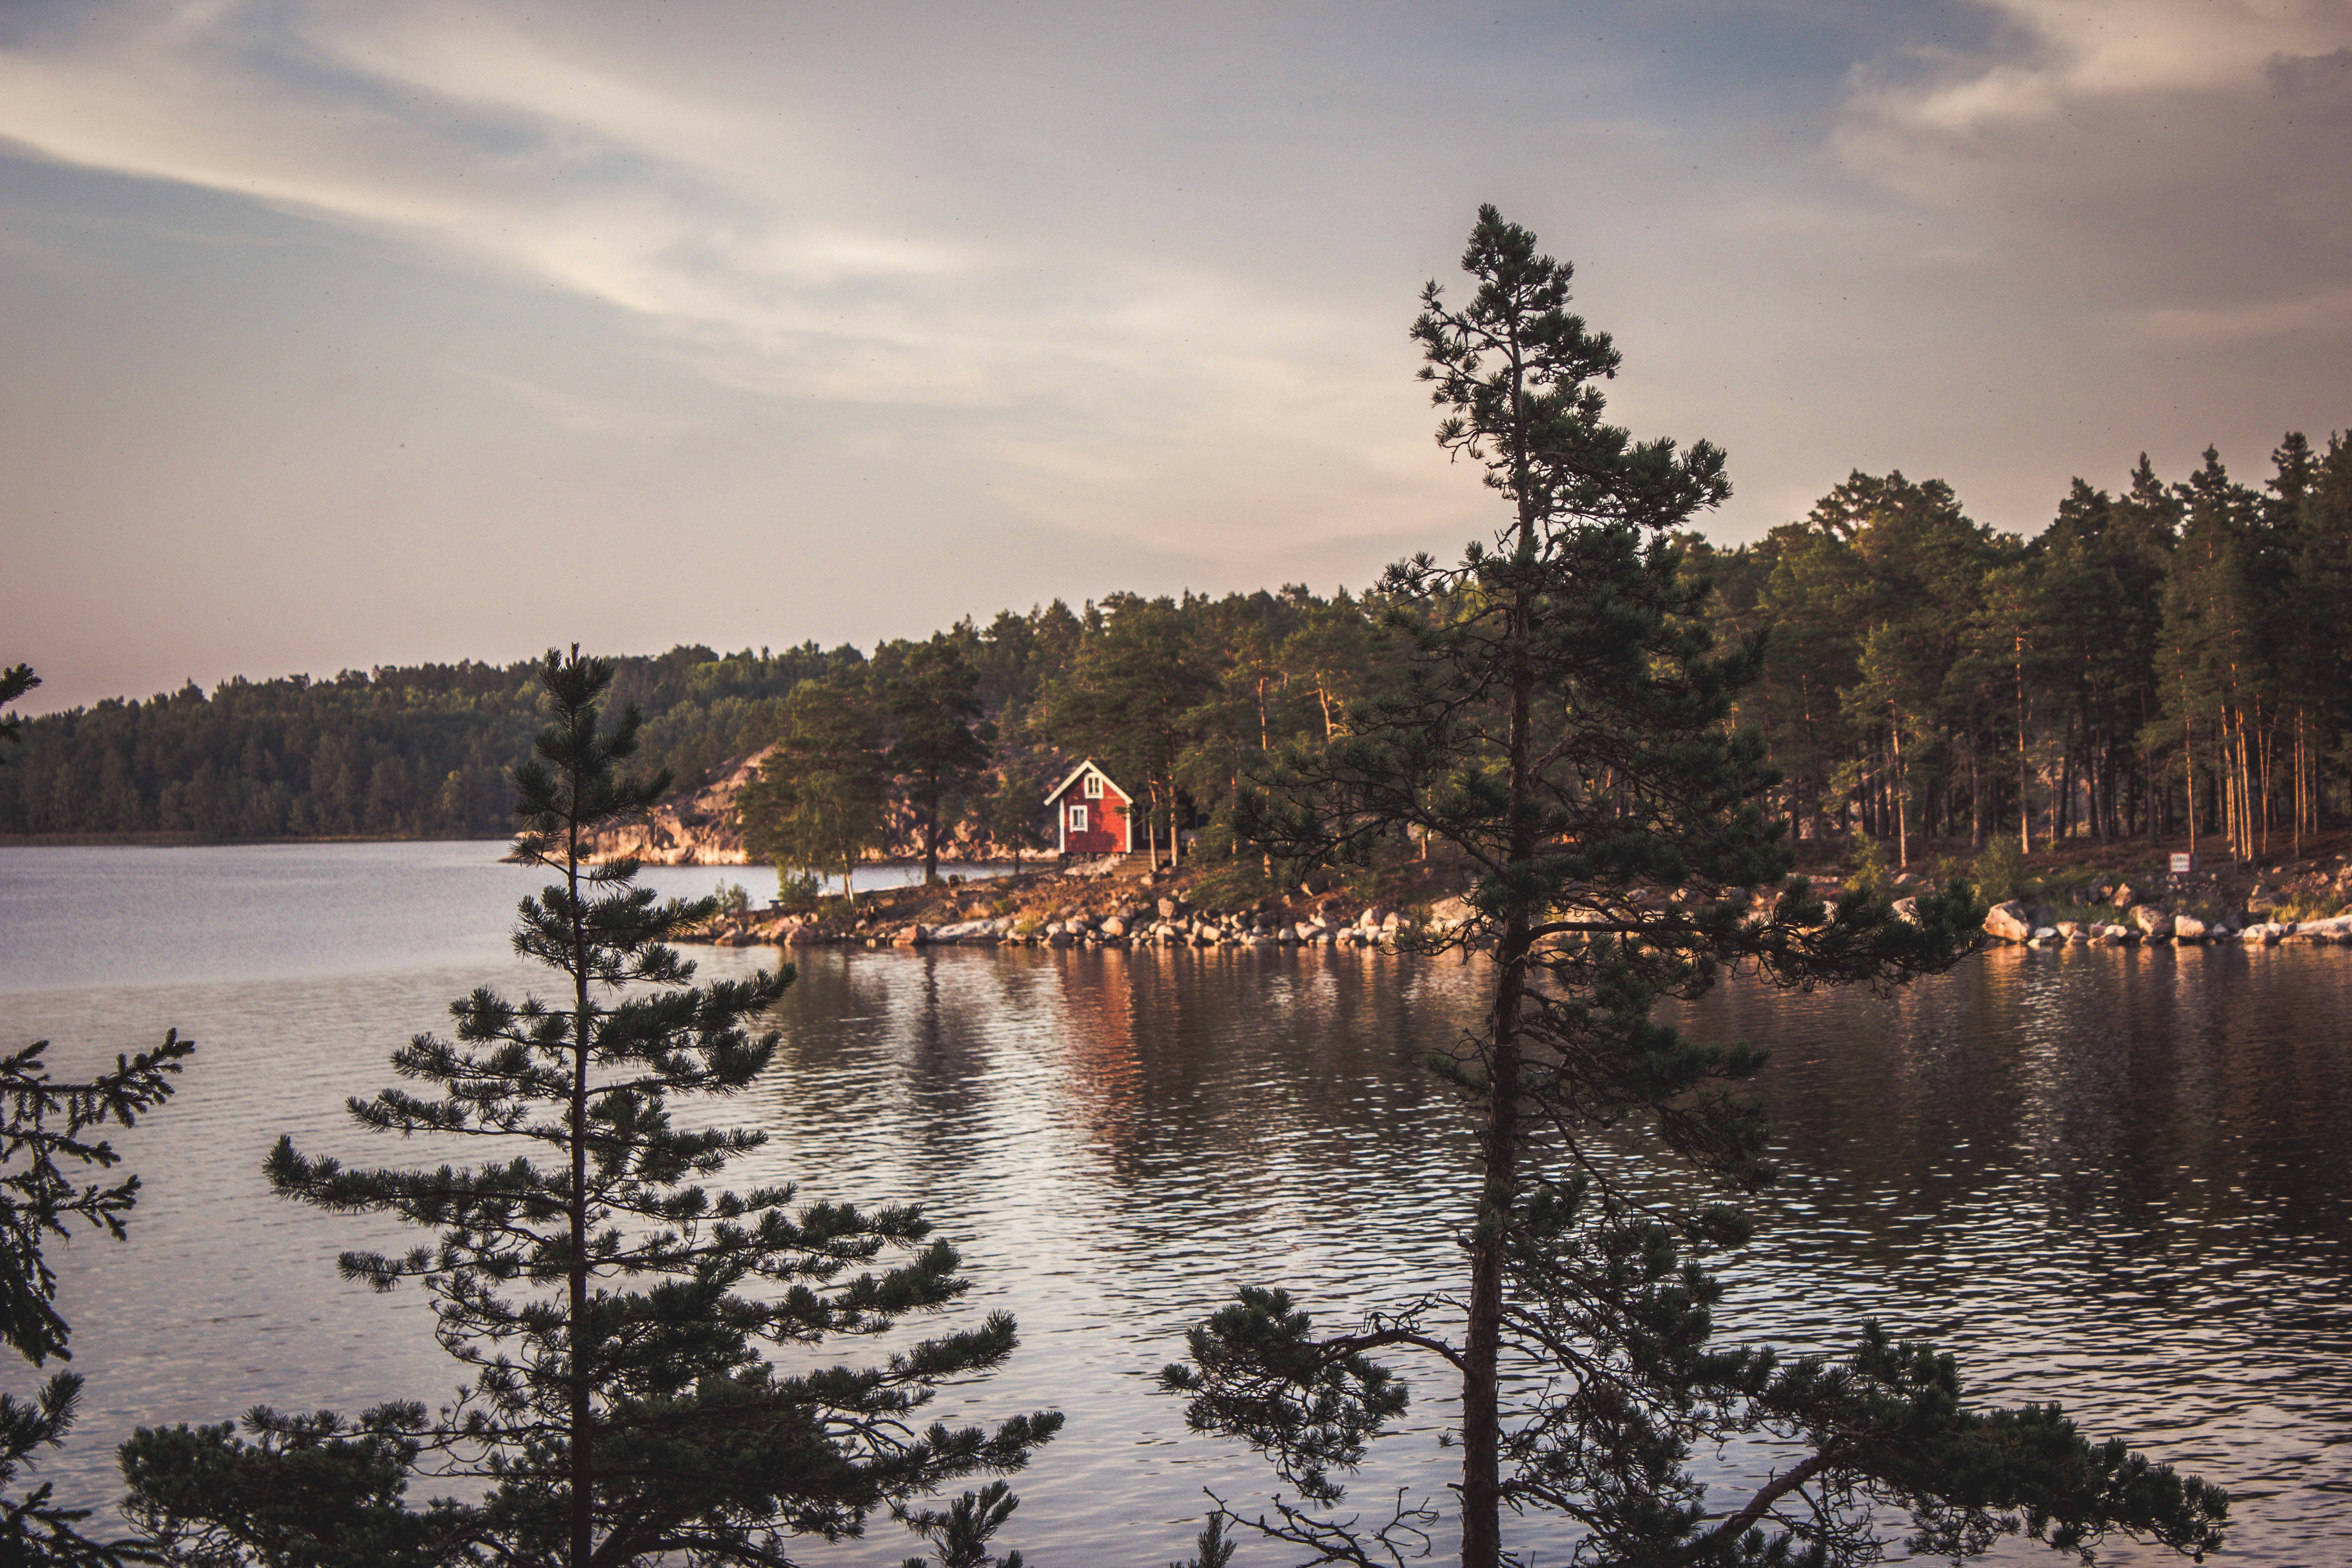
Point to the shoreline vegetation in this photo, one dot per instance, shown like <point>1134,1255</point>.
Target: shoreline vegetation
<point>2170,662</point>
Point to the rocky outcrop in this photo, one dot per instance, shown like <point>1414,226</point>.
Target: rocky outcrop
<point>694,829</point>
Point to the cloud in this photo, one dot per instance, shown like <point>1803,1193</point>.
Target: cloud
<point>774,238</point>
<point>721,220</point>
<point>2152,157</point>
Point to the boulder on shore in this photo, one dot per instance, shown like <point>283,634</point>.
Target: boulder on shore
<point>2188,928</point>
<point>2010,921</point>
<point>2153,922</point>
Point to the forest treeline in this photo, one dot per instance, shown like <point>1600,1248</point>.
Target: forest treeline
<point>2167,658</point>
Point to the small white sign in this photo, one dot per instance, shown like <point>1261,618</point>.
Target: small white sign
<point>2182,865</point>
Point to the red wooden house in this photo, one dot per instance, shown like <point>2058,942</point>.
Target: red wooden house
<point>1090,813</point>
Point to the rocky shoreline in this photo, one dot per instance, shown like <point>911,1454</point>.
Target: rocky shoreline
<point>2307,901</point>
<point>2038,926</point>
<point>1085,906</point>
<point>1168,920</point>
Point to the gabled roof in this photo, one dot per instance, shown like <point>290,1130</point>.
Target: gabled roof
<point>1089,765</point>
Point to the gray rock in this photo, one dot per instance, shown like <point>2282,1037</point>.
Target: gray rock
<point>1907,910</point>
<point>2126,896</point>
<point>2188,927</point>
<point>2151,921</point>
<point>1113,927</point>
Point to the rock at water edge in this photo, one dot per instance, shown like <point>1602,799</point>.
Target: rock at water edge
<point>2008,921</point>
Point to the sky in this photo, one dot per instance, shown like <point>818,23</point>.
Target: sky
<point>341,335</point>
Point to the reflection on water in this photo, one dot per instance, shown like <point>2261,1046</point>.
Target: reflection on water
<point>2115,1177</point>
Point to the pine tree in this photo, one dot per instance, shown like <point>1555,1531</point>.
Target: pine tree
<point>1012,811</point>
<point>46,1134</point>
<point>45,1131</point>
<point>932,700</point>
<point>818,801</point>
<point>616,1315</point>
<point>1131,699</point>
<point>1563,727</point>
<point>15,681</point>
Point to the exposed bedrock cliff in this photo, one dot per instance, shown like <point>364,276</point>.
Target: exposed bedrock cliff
<point>693,828</point>
<point>697,826</point>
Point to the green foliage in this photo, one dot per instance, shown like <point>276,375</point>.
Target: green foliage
<point>398,752</point>
<point>46,1150</point>
<point>818,802</point>
<point>1563,722</point>
<point>960,1536</point>
<point>931,697</point>
<point>618,1317</point>
<point>1131,701</point>
<point>1869,874</point>
<point>2308,904</point>
<point>310,1490</point>
<point>15,681</point>
<point>1385,871</point>
<point>798,889</point>
<point>1213,1547</point>
<point>1013,809</point>
<point>2000,873</point>
<point>731,903</point>
<point>44,1137</point>
<point>1232,884</point>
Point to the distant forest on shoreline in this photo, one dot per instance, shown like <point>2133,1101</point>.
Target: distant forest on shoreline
<point>2169,656</point>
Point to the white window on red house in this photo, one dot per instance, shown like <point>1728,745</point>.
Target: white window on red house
<point>1078,819</point>
<point>1092,788</point>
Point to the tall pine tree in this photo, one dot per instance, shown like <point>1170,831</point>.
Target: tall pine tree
<point>1563,727</point>
<point>941,746</point>
<point>617,1315</point>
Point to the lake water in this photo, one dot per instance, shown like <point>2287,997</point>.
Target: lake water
<point>2121,1178</point>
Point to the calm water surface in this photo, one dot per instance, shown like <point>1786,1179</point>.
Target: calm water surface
<point>2122,1179</point>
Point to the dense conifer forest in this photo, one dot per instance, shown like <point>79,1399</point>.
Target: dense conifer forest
<point>2164,659</point>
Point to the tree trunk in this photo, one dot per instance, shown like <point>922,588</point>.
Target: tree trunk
<point>2024,775</point>
<point>1482,1490</point>
<point>1482,1545</point>
<point>580,1455</point>
<point>1902,803</point>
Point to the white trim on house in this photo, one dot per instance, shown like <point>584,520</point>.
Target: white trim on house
<point>1075,774</point>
